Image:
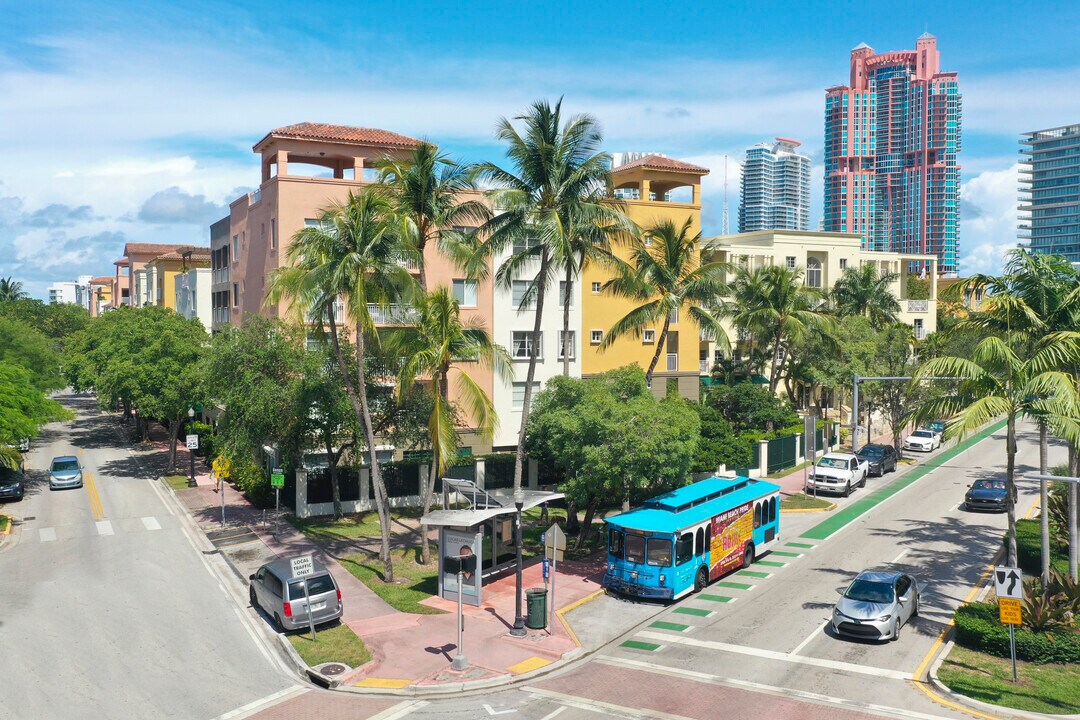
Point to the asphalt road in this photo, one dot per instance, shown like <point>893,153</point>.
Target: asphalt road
<point>109,609</point>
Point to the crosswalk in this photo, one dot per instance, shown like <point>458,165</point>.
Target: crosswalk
<point>102,528</point>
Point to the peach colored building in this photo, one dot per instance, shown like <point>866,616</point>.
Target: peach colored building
<point>131,284</point>
<point>101,293</point>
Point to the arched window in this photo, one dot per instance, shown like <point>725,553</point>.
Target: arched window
<point>699,546</point>
<point>757,515</point>
<point>813,272</point>
<point>772,510</point>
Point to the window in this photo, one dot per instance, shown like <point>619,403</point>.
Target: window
<point>635,548</point>
<point>596,336</point>
<point>790,262</point>
<point>919,332</point>
<point>902,585</point>
<point>699,543</point>
<point>465,292</point>
<point>673,317</point>
<point>562,293</point>
<point>521,344</point>
<point>660,552</point>
<point>235,295</point>
<point>273,233</point>
<point>684,549</point>
<point>316,586</point>
<point>518,399</point>
<point>813,272</point>
<point>596,287</point>
<point>648,336</point>
<point>235,247</point>
<point>757,515</point>
<point>843,264</point>
<point>570,345</point>
<point>311,222</point>
<point>521,246</point>
<point>519,290</point>
<point>615,543</point>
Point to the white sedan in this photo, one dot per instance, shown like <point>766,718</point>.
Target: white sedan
<point>923,441</point>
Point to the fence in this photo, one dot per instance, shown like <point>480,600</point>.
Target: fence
<point>781,453</point>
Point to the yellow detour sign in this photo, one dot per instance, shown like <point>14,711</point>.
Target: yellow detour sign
<point>1009,610</point>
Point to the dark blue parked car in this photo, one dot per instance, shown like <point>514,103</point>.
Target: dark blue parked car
<point>987,495</point>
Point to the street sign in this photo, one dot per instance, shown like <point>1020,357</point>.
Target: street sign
<point>192,442</point>
<point>554,542</point>
<point>302,566</point>
<point>810,436</point>
<point>1009,611</point>
<point>1008,582</point>
<point>277,478</point>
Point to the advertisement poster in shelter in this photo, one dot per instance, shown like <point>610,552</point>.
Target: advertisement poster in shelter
<point>455,545</point>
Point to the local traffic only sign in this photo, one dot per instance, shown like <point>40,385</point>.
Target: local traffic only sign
<point>301,566</point>
<point>192,442</point>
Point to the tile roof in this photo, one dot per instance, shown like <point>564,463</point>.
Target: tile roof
<point>196,253</point>
<point>341,134</point>
<point>150,248</point>
<point>661,162</point>
<point>102,280</point>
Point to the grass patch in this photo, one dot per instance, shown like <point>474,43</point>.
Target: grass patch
<point>333,643</point>
<point>4,522</point>
<point>413,582</point>
<point>802,501</point>
<point>176,482</point>
<point>365,524</point>
<point>1044,688</point>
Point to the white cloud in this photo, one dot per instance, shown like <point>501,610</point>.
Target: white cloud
<point>988,220</point>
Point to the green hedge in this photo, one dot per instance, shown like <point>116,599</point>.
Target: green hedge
<point>978,628</point>
<point>1029,549</point>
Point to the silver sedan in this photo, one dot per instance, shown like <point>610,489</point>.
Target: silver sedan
<point>876,605</point>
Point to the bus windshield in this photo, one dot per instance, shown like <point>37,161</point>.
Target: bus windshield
<point>615,543</point>
<point>635,548</point>
<point>660,552</point>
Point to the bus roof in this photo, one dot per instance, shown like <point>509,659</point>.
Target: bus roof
<point>693,504</point>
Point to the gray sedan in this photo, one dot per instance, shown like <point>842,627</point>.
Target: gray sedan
<point>876,605</point>
<point>65,472</point>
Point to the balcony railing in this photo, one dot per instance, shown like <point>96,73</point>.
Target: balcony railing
<point>918,306</point>
<point>392,315</point>
<point>220,276</point>
<point>706,367</point>
<point>220,316</point>
<point>255,197</point>
<point>672,362</point>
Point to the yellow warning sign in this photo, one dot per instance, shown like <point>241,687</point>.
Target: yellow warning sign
<point>1009,610</point>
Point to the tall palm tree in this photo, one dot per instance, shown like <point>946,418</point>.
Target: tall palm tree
<point>354,254</point>
<point>553,191</point>
<point>998,380</point>
<point>775,309</point>
<point>427,190</point>
<point>11,290</point>
<point>667,277</point>
<point>441,340</point>
<point>863,291</point>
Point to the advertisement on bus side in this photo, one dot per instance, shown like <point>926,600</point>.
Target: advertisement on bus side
<point>731,531</point>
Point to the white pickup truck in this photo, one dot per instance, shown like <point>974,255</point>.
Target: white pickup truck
<point>838,472</point>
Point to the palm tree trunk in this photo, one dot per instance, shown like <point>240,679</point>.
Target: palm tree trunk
<point>382,503</point>
<point>566,323</point>
<point>776,365</point>
<point>519,458</point>
<point>441,382</point>
<point>659,349</point>
<point>335,488</point>
<point>1044,505</point>
<point>1010,486</point>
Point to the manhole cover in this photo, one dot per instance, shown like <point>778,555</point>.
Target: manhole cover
<point>332,669</point>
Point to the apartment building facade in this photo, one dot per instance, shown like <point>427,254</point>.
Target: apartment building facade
<point>892,136</point>
<point>775,187</point>
<point>1050,191</point>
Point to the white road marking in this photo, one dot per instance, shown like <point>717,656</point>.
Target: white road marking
<point>761,687</point>
<point>897,558</point>
<point>263,702</point>
<point>773,655</point>
<point>47,534</point>
<point>104,527</point>
<point>554,713</point>
<point>599,706</point>
<point>400,710</point>
<point>491,711</point>
<point>809,637</point>
<point>254,638</point>
<point>151,523</point>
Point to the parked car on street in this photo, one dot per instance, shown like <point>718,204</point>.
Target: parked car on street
<point>988,495</point>
<point>923,441</point>
<point>65,472</point>
<point>938,426</point>
<point>838,472</point>
<point>24,445</point>
<point>12,484</point>
<point>880,458</point>
<point>876,605</point>
<point>280,594</point>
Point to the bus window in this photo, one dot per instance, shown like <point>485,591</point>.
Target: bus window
<point>757,515</point>
<point>684,549</point>
<point>635,548</point>
<point>708,537</point>
<point>660,552</point>
<point>772,510</point>
<point>699,546</point>
<point>615,543</point>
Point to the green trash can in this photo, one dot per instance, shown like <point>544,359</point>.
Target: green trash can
<point>536,599</point>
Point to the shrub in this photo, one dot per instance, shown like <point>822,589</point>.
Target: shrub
<point>1029,549</point>
<point>250,479</point>
<point>978,628</point>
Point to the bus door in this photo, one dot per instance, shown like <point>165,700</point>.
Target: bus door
<point>691,552</point>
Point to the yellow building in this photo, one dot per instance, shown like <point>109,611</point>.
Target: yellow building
<point>162,271</point>
<point>654,188</point>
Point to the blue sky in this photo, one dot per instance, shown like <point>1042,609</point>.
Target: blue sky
<point>135,121</point>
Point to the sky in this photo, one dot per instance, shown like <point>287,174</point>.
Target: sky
<point>134,122</point>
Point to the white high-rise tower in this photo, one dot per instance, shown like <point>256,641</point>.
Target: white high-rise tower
<point>775,188</point>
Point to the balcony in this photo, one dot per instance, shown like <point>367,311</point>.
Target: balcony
<point>918,306</point>
<point>220,316</point>
<point>706,367</point>
<point>392,314</point>
<point>672,362</point>
<point>220,276</point>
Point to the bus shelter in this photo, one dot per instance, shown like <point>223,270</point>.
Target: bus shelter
<point>485,530</point>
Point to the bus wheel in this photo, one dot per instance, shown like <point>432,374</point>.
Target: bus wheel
<point>701,580</point>
<point>748,555</point>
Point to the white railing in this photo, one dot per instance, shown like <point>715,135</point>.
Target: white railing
<point>915,306</point>
<point>391,315</point>
<point>706,367</point>
<point>220,276</point>
<point>220,316</point>
<point>672,362</point>
<point>255,197</point>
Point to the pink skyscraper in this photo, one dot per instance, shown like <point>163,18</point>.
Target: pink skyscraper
<point>891,139</point>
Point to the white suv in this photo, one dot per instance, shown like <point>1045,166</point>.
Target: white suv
<point>838,472</point>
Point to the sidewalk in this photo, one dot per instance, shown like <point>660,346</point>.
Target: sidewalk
<point>793,482</point>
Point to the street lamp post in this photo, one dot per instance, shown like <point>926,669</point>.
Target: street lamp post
<point>191,453</point>
<point>519,622</point>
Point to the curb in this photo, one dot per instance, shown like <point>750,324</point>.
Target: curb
<point>832,506</point>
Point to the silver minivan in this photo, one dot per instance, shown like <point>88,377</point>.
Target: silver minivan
<point>275,590</point>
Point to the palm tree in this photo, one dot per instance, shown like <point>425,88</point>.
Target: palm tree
<point>996,381</point>
<point>862,291</point>
<point>354,254</point>
<point>553,193</point>
<point>667,277</point>
<point>775,309</point>
<point>441,340</point>
<point>11,290</point>
<point>427,190</point>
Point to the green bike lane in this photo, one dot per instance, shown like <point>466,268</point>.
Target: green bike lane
<point>702,609</point>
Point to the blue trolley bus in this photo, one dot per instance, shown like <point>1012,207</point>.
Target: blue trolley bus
<point>680,541</point>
